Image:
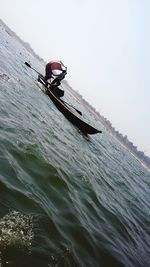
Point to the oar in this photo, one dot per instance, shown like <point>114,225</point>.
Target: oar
<point>72,107</point>
<point>28,65</point>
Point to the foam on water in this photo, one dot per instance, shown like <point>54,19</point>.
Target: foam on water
<point>16,230</point>
<point>89,197</point>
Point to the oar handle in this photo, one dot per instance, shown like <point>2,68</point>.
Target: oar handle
<point>28,65</point>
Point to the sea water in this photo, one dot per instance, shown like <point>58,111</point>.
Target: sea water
<point>65,199</point>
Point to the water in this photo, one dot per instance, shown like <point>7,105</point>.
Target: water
<point>65,199</point>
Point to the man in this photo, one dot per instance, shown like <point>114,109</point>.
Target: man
<point>55,70</point>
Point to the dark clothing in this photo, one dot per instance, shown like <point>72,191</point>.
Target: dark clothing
<point>53,66</point>
<point>48,72</point>
<point>59,78</point>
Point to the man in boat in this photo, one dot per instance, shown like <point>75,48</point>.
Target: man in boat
<point>55,70</point>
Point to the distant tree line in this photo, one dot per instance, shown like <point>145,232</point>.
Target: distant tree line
<point>123,139</point>
<point>25,44</point>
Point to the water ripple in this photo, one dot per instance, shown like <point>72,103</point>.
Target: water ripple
<point>66,199</point>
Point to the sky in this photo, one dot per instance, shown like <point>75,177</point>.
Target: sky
<point>106,47</point>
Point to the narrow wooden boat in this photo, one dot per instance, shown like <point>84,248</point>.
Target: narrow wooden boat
<point>54,92</point>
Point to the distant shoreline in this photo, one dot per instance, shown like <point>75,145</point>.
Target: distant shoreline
<point>123,140</point>
<point>139,155</point>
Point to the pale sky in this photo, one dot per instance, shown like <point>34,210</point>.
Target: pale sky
<point>106,46</point>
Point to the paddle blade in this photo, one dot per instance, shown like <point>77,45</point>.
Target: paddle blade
<point>27,64</point>
<point>78,111</point>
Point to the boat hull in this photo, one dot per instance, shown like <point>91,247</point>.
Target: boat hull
<point>67,112</point>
